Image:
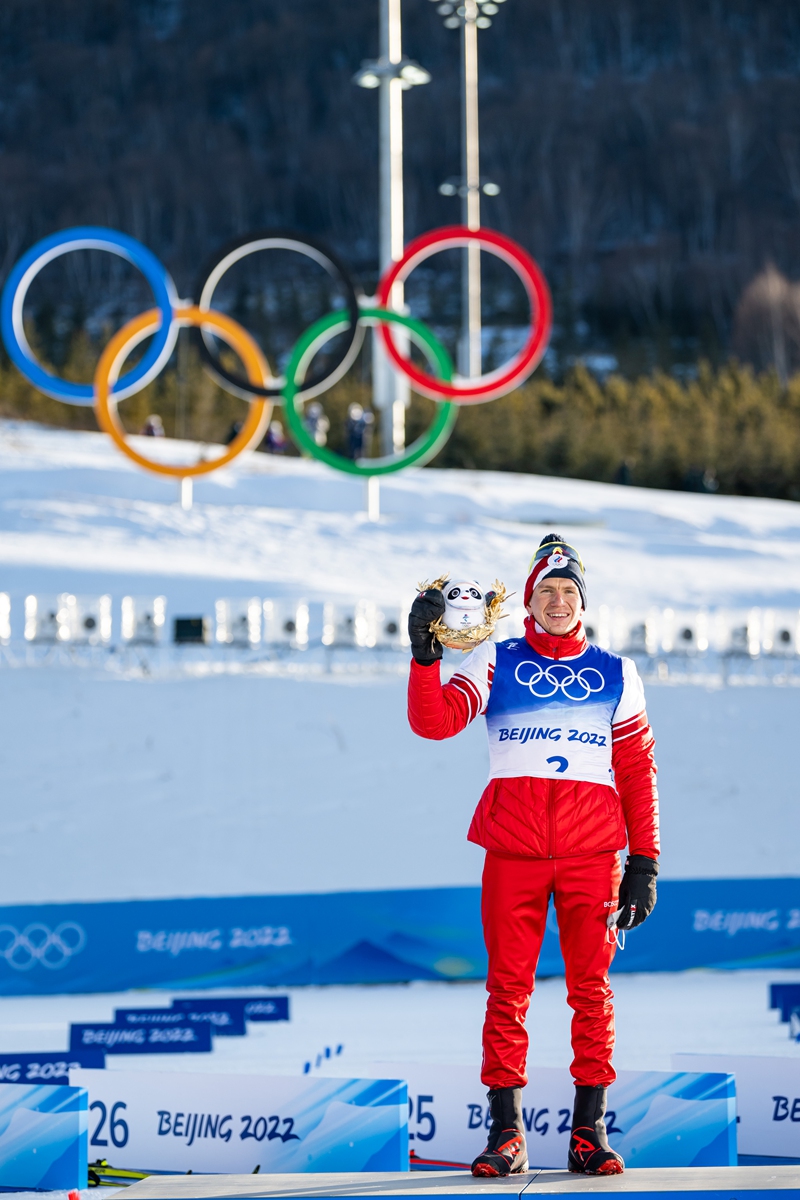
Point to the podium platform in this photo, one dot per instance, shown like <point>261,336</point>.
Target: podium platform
<point>706,1183</point>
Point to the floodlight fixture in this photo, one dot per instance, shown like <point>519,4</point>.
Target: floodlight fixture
<point>372,72</point>
<point>367,77</point>
<point>456,185</point>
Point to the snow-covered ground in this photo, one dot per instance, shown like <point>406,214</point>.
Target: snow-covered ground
<point>75,515</point>
<point>316,784</point>
<point>232,785</point>
<point>243,783</point>
<point>704,1012</point>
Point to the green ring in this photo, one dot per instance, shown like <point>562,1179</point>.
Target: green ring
<point>420,451</point>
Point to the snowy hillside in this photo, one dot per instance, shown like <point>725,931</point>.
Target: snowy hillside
<point>117,785</point>
<point>75,514</point>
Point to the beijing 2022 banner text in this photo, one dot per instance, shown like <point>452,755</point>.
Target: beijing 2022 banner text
<point>362,937</point>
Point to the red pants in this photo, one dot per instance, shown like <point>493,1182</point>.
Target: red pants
<point>516,892</point>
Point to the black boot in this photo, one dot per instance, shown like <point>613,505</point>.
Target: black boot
<point>589,1151</point>
<point>505,1153</point>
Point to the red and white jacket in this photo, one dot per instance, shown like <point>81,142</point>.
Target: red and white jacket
<point>571,751</point>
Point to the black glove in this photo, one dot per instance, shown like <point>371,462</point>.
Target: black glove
<point>427,607</point>
<point>637,891</point>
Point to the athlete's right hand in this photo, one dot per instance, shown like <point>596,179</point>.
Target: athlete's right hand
<point>427,607</point>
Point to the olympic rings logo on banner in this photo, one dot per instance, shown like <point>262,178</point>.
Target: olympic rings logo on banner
<point>258,385</point>
<point>37,943</point>
<point>544,682</point>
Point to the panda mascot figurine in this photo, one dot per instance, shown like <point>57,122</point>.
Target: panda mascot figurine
<point>470,614</point>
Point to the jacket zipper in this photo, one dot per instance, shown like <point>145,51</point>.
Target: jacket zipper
<point>550,801</point>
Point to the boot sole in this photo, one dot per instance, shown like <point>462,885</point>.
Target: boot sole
<point>609,1168</point>
<point>486,1171</point>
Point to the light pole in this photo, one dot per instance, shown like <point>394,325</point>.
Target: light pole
<point>393,73</point>
<point>469,17</point>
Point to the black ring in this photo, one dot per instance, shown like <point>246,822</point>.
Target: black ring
<point>322,255</point>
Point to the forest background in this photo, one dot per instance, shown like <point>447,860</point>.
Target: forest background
<point>648,156</point>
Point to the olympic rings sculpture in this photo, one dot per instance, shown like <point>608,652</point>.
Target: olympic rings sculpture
<point>53,949</point>
<point>241,248</point>
<point>259,386</point>
<point>560,677</point>
<point>504,379</point>
<point>137,330</point>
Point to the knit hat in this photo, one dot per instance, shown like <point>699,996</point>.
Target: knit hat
<point>556,558</point>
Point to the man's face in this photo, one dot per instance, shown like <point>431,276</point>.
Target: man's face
<point>556,604</point>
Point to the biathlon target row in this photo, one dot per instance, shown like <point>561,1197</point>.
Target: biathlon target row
<point>258,384</point>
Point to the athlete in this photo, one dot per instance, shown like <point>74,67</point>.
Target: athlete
<point>572,781</point>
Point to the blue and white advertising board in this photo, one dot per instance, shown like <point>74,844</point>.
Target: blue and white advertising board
<point>161,1017</point>
<point>43,1137</point>
<point>266,1008</point>
<point>169,1121</point>
<point>225,1021</point>
<point>51,1066</point>
<point>655,1118</point>
<point>786,997</point>
<point>364,937</point>
<point>182,1038</point>
<point>226,1017</point>
<point>767,1097</point>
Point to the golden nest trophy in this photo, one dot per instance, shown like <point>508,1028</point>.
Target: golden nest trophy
<point>470,614</point>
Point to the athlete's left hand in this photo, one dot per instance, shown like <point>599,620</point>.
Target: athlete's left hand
<point>637,891</point>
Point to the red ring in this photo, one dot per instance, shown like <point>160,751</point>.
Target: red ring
<point>504,379</point>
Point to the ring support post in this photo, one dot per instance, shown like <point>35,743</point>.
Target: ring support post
<point>373,496</point>
<point>186,492</point>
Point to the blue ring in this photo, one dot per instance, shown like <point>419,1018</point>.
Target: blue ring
<point>86,237</point>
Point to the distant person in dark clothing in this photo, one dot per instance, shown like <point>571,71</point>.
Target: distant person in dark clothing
<point>153,426</point>
<point>275,441</point>
<point>233,432</point>
<point>316,422</point>
<point>358,429</point>
<point>699,480</point>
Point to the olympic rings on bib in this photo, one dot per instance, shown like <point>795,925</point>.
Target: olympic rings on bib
<point>136,331</point>
<point>279,239</point>
<point>544,682</point>
<point>504,379</point>
<point>37,943</point>
<point>86,237</point>
<point>420,451</point>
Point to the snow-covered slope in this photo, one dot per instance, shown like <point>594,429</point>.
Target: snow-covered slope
<point>256,783</point>
<point>231,785</point>
<point>75,514</point>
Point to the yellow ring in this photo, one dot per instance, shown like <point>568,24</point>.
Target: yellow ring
<point>136,330</point>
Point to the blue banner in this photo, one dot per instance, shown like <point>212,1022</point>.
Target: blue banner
<point>276,1008</point>
<point>365,937</point>
<point>226,1017</point>
<point>43,1138</point>
<point>786,997</point>
<point>142,1039</point>
<point>225,1021</point>
<point>149,1016</point>
<point>52,1066</point>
